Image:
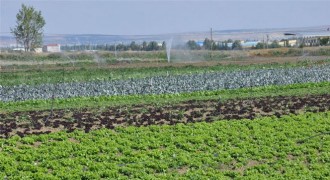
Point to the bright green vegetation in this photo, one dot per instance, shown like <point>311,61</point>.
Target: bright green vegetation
<point>266,148</point>
<point>40,76</point>
<point>102,101</point>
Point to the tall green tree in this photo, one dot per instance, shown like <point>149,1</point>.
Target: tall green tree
<point>275,44</point>
<point>324,41</point>
<point>209,44</point>
<point>237,45</point>
<point>29,27</point>
<point>153,46</point>
<point>144,46</point>
<point>163,45</point>
<point>192,45</point>
<point>260,45</point>
<point>134,46</point>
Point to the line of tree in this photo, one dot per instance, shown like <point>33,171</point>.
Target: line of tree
<point>212,45</point>
<point>261,45</point>
<point>155,46</point>
<point>133,46</point>
<point>191,44</point>
<point>227,45</point>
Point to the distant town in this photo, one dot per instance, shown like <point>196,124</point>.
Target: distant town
<point>193,41</point>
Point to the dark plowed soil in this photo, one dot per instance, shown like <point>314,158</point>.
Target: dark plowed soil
<point>39,122</point>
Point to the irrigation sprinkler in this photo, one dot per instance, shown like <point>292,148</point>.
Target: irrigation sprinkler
<point>168,49</point>
<point>311,137</point>
<point>51,114</point>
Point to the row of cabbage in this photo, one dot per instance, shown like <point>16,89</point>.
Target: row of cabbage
<point>169,84</point>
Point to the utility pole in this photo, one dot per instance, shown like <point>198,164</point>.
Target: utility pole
<point>263,41</point>
<point>267,41</point>
<point>211,34</point>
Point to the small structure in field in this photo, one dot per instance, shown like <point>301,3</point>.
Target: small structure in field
<point>51,48</point>
<point>288,42</point>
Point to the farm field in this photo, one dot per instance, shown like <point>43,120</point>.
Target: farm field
<point>22,74</point>
<point>289,147</point>
<point>38,122</point>
<point>196,120</point>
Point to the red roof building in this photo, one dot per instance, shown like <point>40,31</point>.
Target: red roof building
<point>51,48</point>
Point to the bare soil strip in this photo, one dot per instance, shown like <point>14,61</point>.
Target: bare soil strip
<point>40,122</point>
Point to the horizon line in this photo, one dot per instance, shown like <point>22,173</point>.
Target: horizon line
<point>177,33</point>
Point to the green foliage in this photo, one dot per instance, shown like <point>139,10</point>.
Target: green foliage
<point>101,101</point>
<point>294,52</point>
<point>276,53</point>
<point>134,46</point>
<point>275,44</point>
<point>153,46</point>
<point>54,56</point>
<point>80,56</point>
<point>237,45</point>
<point>266,148</point>
<point>28,30</point>
<point>18,56</point>
<point>192,45</point>
<point>324,41</point>
<point>209,44</point>
<point>41,76</point>
<point>260,45</point>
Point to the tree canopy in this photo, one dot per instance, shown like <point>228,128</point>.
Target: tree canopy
<point>29,27</point>
<point>192,45</point>
<point>324,41</point>
<point>237,45</point>
<point>209,44</point>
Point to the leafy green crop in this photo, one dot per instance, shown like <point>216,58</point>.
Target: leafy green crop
<point>267,148</point>
<point>83,74</point>
<point>79,102</point>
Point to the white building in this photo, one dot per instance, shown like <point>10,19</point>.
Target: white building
<point>52,48</point>
<point>288,43</point>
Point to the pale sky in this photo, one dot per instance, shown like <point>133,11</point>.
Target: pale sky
<point>146,17</point>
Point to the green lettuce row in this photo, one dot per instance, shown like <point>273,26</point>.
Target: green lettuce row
<point>265,148</point>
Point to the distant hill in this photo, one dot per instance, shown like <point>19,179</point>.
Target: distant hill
<point>218,35</point>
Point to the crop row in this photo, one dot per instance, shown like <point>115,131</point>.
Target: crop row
<point>290,147</point>
<point>300,89</point>
<point>169,84</point>
<point>39,122</point>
